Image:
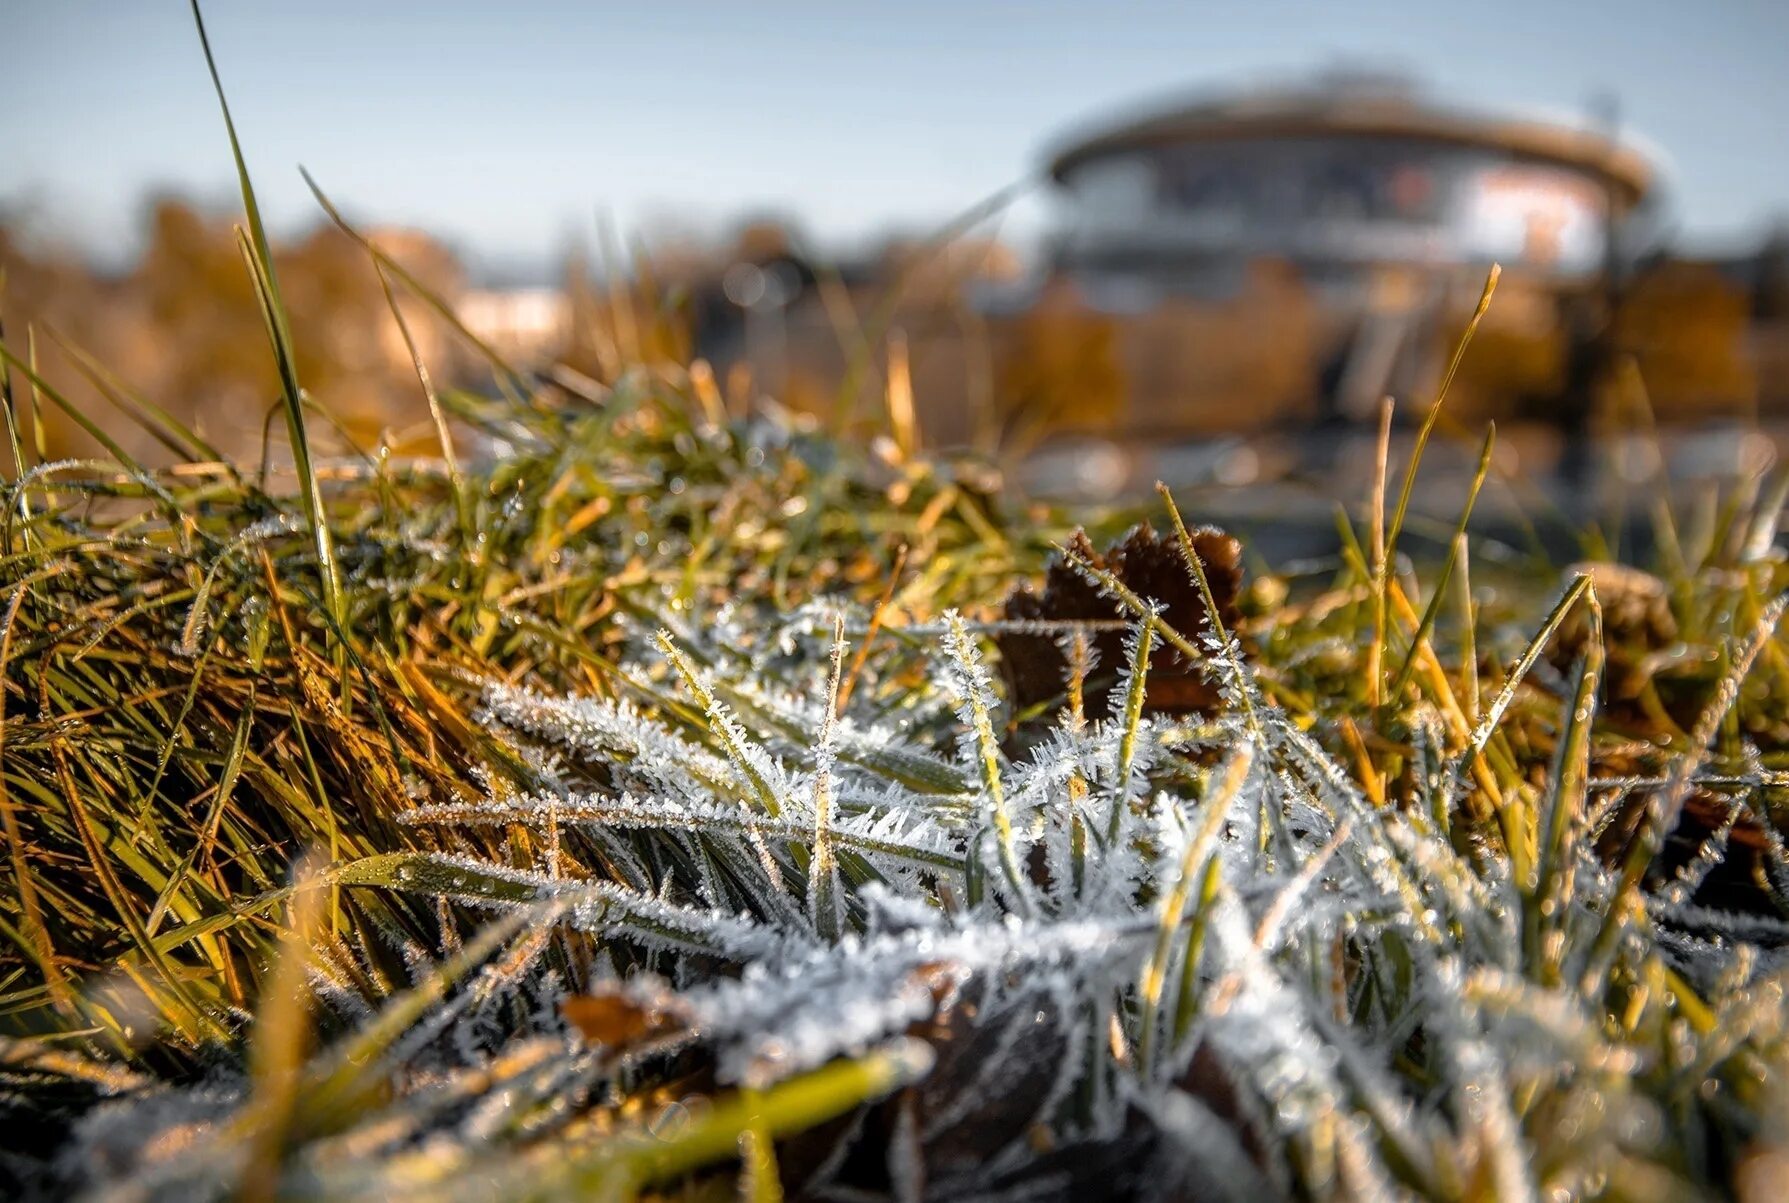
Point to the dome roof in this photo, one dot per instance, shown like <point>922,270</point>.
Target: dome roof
<point>1358,105</point>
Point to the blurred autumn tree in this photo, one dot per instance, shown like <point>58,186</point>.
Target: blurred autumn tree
<point>182,328</point>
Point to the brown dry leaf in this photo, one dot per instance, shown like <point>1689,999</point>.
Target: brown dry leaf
<point>1151,565</point>
<point>620,1020</point>
<point>1637,625</point>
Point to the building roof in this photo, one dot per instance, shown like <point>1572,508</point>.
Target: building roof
<point>1360,106</point>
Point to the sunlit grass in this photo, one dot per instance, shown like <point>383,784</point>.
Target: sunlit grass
<point>626,803</point>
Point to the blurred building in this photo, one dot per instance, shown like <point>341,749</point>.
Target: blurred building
<point>1338,177</point>
<point>1384,207</point>
<point>1267,266</point>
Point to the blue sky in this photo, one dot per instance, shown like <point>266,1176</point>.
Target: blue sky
<point>507,126</point>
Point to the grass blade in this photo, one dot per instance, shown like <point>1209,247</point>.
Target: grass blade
<point>265,277</point>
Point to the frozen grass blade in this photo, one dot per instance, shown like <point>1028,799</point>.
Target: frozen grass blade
<point>1550,904</point>
<point>1125,596</point>
<point>1193,867</point>
<point>972,689</point>
<point>1130,720</point>
<point>1506,695</point>
<point>825,905</point>
<point>1228,664</point>
<point>748,759</point>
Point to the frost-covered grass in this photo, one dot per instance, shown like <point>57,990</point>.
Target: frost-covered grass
<point>634,808</point>
<point>588,855</point>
